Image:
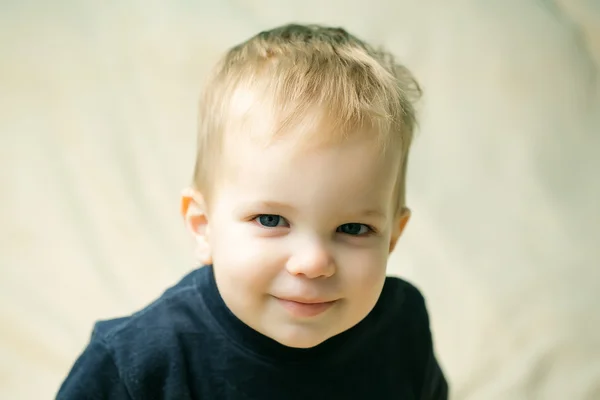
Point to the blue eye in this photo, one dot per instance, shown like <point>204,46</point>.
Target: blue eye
<point>270,221</point>
<point>354,229</point>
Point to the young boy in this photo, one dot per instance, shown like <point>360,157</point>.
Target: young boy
<point>298,199</point>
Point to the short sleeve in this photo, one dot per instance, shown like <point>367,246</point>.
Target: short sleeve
<point>94,376</point>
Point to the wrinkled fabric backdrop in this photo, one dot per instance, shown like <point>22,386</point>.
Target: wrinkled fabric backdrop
<point>97,122</point>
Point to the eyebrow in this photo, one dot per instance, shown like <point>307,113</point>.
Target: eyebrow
<point>374,213</point>
<point>268,204</point>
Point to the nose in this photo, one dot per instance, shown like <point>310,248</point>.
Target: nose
<point>312,261</point>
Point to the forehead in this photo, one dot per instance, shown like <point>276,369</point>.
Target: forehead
<point>287,170</point>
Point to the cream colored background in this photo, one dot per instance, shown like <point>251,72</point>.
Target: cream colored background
<point>97,127</point>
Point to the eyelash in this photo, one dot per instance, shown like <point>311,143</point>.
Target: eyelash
<point>370,229</point>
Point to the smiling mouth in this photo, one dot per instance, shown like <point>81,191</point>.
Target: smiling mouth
<point>304,308</point>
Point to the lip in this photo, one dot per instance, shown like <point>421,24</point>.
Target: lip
<point>305,308</point>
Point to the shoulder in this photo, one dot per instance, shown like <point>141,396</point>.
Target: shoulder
<point>174,309</point>
<point>152,339</point>
<point>135,353</point>
<point>94,375</point>
<point>175,312</point>
<point>407,319</point>
<point>412,327</point>
<point>405,301</point>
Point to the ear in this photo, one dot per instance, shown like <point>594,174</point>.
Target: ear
<point>398,228</point>
<point>194,213</point>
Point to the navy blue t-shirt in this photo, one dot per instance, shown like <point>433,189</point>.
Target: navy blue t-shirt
<point>188,345</point>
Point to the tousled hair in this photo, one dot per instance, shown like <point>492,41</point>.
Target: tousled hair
<point>319,80</point>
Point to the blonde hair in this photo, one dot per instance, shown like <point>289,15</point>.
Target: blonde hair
<point>304,75</point>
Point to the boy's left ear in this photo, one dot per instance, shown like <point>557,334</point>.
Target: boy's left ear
<point>194,213</point>
<point>398,228</point>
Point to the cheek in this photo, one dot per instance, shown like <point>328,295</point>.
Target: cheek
<point>244,259</point>
<point>364,270</point>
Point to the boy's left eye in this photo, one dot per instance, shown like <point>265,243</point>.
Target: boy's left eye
<point>354,229</point>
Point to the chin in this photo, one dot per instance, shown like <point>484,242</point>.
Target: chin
<point>301,344</point>
<point>300,339</point>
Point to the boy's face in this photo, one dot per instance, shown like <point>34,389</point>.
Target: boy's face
<point>300,239</point>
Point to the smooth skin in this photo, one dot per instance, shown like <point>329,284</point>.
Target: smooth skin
<point>299,237</point>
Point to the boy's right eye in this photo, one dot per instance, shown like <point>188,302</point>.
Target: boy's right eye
<point>270,220</point>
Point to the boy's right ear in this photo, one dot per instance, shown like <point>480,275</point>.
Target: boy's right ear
<point>194,213</point>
